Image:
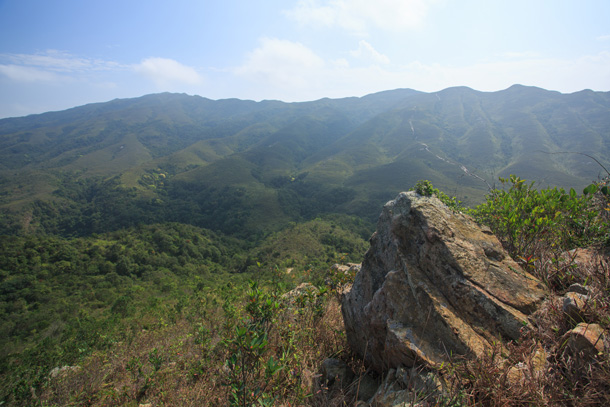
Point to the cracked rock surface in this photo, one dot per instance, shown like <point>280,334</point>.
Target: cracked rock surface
<point>434,283</point>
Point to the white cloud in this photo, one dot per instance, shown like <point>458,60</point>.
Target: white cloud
<point>51,66</point>
<point>340,63</point>
<point>54,66</point>
<point>366,51</point>
<point>290,71</point>
<point>28,74</point>
<point>358,16</point>
<point>603,38</point>
<point>166,73</point>
<point>281,63</point>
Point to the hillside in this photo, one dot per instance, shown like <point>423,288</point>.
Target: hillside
<point>170,314</point>
<point>173,155</point>
<point>147,244</point>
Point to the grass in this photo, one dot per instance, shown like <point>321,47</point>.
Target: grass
<point>185,363</point>
<point>541,369</point>
<point>238,344</point>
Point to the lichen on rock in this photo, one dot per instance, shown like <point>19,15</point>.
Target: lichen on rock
<point>434,284</point>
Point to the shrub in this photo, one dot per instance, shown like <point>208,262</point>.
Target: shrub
<point>527,220</point>
<point>425,188</point>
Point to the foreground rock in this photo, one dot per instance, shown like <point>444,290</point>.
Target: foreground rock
<point>434,284</point>
<point>587,340</point>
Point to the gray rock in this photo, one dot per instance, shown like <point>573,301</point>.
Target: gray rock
<point>341,268</point>
<point>63,371</point>
<point>335,371</point>
<point>408,387</point>
<point>578,288</point>
<point>364,387</point>
<point>574,305</point>
<point>434,283</point>
<point>299,291</point>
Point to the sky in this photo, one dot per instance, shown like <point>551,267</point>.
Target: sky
<point>57,54</point>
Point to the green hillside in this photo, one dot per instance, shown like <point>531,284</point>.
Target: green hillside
<point>285,162</point>
<point>141,239</point>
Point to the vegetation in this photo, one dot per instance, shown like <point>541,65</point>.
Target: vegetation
<point>425,188</point>
<point>175,314</point>
<point>227,165</point>
<point>174,289</point>
<point>530,221</point>
<point>540,228</point>
<point>146,245</point>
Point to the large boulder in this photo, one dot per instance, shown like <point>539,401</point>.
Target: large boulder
<point>434,284</point>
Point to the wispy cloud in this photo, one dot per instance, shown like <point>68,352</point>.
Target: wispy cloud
<point>166,73</point>
<point>50,66</point>
<point>366,52</point>
<point>603,38</point>
<point>20,73</point>
<point>85,80</point>
<point>358,16</point>
<point>57,66</point>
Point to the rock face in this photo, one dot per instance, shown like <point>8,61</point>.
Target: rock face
<point>434,284</point>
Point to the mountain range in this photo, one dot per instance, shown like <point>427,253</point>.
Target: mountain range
<point>236,165</point>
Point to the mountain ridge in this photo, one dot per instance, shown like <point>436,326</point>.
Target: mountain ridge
<point>355,152</point>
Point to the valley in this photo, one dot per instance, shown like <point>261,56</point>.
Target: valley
<point>136,234</point>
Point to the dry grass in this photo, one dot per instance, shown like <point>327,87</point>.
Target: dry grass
<point>190,373</point>
<point>540,370</point>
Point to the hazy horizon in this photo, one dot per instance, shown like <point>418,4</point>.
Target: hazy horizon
<point>58,56</point>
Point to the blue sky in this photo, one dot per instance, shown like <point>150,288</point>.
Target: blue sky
<point>56,54</point>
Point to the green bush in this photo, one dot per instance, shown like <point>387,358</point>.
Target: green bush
<point>527,220</point>
<point>425,188</point>
<point>250,369</point>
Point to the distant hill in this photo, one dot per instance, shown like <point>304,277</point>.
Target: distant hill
<point>236,165</point>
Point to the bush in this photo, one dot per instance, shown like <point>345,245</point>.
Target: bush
<point>425,188</point>
<point>527,220</point>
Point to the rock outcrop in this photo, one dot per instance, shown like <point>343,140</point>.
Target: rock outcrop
<point>434,284</point>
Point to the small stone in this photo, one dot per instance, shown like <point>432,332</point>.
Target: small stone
<point>574,305</point>
<point>354,267</point>
<point>366,387</point>
<point>300,290</point>
<point>578,288</point>
<point>418,380</point>
<point>341,268</point>
<point>307,379</point>
<point>335,370</point>
<point>534,368</point>
<point>396,391</point>
<point>63,371</point>
<point>586,339</point>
